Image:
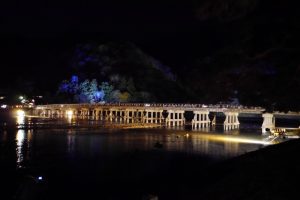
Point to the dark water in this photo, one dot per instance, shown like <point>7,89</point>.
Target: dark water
<point>86,161</point>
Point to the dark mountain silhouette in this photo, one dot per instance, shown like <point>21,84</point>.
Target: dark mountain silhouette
<point>128,69</point>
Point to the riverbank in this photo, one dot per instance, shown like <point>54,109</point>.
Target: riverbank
<point>269,173</point>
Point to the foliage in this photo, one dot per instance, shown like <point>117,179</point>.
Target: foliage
<point>90,92</point>
<point>84,92</point>
<point>108,91</point>
<point>124,97</point>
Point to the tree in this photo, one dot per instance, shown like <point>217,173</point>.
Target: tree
<point>107,89</point>
<point>84,92</point>
<point>124,97</point>
<point>69,89</point>
<point>90,92</point>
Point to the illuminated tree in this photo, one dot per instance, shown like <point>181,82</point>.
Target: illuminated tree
<point>108,91</point>
<point>124,97</point>
<point>90,92</point>
<point>70,87</point>
<point>84,92</point>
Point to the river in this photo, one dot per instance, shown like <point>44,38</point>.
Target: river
<point>78,159</point>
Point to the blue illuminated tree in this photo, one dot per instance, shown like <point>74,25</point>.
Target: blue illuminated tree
<point>89,92</point>
<point>70,87</point>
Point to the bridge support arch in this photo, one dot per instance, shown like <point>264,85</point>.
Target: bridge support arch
<point>231,120</point>
<point>268,123</point>
<point>153,116</point>
<point>175,118</point>
<point>201,119</point>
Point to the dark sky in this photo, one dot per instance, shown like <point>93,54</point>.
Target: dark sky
<point>38,20</point>
<point>38,38</point>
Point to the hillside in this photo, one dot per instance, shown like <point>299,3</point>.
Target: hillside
<point>129,70</point>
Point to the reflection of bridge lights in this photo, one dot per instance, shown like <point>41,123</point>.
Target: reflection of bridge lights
<point>69,115</point>
<point>243,140</point>
<point>20,137</point>
<point>20,117</point>
<point>20,113</point>
<point>235,139</point>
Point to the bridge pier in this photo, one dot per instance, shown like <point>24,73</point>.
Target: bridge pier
<point>75,113</point>
<point>97,113</point>
<point>122,115</point>
<point>231,120</point>
<point>112,113</point>
<point>153,116</point>
<point>139,116</point>
<point>49,113</point>
<point>201,120</point>
<point>117,115</point>
<point>56,113</point>
<point>268,123</point>
<point>175,118</point>
<point>214,121</point>
<point>129,115</point>
<point>84,112</point>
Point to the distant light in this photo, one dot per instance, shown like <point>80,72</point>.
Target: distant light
<point>21,97</point>
<point>3,106</point>
<point>20,113</point>
<point>2,97</point>
<point>69,113</point>
<point>40,178</point>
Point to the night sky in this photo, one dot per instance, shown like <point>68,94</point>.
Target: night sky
<point>38,40</point>
<point>39,37</point>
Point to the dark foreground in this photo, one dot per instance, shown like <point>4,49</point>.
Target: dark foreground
<point>269,173</point>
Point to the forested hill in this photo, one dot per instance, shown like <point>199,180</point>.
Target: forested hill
<point>133,75</point>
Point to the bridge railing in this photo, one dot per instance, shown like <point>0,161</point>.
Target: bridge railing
<point>164,105</point>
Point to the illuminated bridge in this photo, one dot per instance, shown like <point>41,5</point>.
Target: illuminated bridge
<point>171,115</point>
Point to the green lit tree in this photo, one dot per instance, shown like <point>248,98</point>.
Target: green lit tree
<point>108,91</point>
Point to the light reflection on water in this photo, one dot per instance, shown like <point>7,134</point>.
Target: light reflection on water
<point>93,143</point>
<point>24,142</point>
<point>20,121</point>
<point>20,137</point>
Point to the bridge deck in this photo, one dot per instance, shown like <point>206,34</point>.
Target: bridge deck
<point>185,107</point>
